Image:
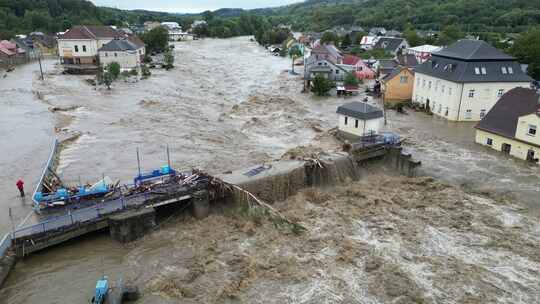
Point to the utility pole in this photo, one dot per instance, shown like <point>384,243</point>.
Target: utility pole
<point>40,67</point>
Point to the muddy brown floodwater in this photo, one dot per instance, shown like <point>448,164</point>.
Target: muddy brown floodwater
<point>470,236</point>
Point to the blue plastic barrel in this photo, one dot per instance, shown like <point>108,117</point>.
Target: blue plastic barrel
<point>62,193</point>
<point>38,196</point>
<point>165,169</point>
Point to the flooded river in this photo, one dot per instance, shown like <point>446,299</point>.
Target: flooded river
<point>227,104</point>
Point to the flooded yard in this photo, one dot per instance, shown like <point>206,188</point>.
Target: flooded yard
<point>229,104</point>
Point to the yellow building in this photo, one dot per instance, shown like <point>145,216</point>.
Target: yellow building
<point>398,85</point>
<point>513,125</point>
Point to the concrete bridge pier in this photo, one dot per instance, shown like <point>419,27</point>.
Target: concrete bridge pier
<point>131,225</point>
<point>201,204</point>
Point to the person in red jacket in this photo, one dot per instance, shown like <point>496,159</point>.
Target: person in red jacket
<point>20,186</point>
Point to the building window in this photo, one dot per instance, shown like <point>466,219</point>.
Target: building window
<point>440,109</point>
<point>346,119</point>
<point>482,113</point>
<point>403,79</point>
<point>500,92</point>
<point>468,114</point>
<point>503,70</point>
<point>510,70</point>
<point>489,142</point>
<point>477,70</point>
<point>106,54</point>
<point>337,71</point>
<point>484,72</point>
<point>115,55</point>
<point>446,112</point>
<point>436,85</point>
<point>429,85</point>
<point>76,48</point>
<point>449,91</point>
<point>532,130</point>
<point>84,48</point>
<point>423,83</point>
<point>356,123</point>
<point>418,81</point>
<point>471,93</point>
<point>442,88</point>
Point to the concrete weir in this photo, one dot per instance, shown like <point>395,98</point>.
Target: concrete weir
<point>128,226</point>
<point>272,182</point>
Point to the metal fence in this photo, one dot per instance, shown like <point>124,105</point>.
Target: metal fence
<point>5,244</point>
<point>81,215</point>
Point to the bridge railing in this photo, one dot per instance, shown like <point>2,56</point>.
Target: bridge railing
<point>5,243</point>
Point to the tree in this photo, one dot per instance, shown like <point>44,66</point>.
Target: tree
<point>321,85</point>
<point>351,80</point>
<point>412,36</point>
<point>294,52</point>
<point>145,71</point>
<point>114,69</point>
<point>156,40</point>
<point>450,34</point>
<point>328,37</point>
<point>346,41</point>
<point>358,37</point>
<point>526,49</point>
<point>169,60</point>
<point>108,79</point>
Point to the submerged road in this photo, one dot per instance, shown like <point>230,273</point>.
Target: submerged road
<point>228,104</point>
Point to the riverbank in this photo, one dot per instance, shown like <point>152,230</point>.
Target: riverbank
<point>235,106</point>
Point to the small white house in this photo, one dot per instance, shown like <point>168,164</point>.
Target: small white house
<point>359,119</point>
<point>126,53</point>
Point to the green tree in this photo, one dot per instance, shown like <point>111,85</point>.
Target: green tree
<point>412,36</point>
<point>328,37</point>
<point>351,80</point>
<point>145,71</point>
<point>358,37</point>
<point>294,52</point>
<point>169,60</point>
<point>450,34</point>
<point>346,41</point>
<point>526,49</point>
<point>108,79</point>
<point>156,40</point>
<point>321,85</point>
<point>114,69</point>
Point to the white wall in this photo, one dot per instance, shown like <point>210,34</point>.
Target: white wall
<point>67,47</point>
<point>446,95</point>
<point>364,126</point>
<point>127,60</point>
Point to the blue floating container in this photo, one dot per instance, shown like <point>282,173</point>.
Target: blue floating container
<point>165,169</point>
<point>38,196</point>
<point>62,193</point>
<point>82,190</point>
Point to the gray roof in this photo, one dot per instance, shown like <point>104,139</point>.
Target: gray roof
<point>472,50</point>
<point>118,45</point>
<point>388,43</point>
<point>408,60</point>
<point>395,72</point>
<point>503,118</point>
<point>360,110</point>
<point>465,71</point>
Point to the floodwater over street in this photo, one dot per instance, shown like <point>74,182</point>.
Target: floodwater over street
<point>226,105</point>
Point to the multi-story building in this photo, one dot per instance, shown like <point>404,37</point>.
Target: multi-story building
<point>78,47</point>
<point>463,81</point>
<point>513,125</point>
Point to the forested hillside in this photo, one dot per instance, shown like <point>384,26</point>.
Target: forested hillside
<point>23,16</point>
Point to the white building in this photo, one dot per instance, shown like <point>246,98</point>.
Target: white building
<point>78,46</point>
<point>463,81</point>
<point>171,26</point>
<point>367,42</point>
<point>359,119</point>
<point>176,35</point>
<point>422,52</point>
<point>123,51</point>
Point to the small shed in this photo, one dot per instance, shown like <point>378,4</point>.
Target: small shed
<point>359,119</point>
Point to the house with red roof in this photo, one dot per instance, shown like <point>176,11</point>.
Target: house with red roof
<point>79,46</point>
<point>11,54</point>
<point>357,66</point>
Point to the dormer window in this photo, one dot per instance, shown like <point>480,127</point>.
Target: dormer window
<point>510,70</point>
<point>504,70</point>
<point>477,70</point>
<point>484,72</point>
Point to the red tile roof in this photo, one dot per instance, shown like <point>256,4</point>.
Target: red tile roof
<point>8,45</point>
<point>350,60</point>
<point>6,51</point>
<point>91,32</point>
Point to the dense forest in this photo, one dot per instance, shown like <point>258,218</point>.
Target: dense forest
<point>23,16</point>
